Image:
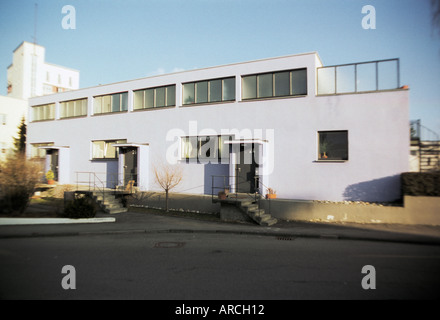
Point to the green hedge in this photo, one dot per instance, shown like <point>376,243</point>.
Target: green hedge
<point>421,184</point>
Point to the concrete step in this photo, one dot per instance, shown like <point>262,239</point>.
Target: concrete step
<point>256,213</point>
<point>269,222</point>
<point>116,210</point>
<point>112,206</point>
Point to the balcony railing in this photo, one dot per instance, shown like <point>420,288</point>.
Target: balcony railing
<point>359,77</point>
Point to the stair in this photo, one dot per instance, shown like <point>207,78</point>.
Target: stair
<point>110,204</point>
<point>258,215</point>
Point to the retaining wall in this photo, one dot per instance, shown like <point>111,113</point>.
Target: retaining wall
<point>415,210</point>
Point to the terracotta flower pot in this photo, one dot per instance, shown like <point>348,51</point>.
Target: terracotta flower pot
<point>271,196</point>
<point>222,195</point>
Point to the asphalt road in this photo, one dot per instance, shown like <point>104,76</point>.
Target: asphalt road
<point>214,266</point>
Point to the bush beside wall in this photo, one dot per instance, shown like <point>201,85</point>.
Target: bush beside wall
<point>421,184</point>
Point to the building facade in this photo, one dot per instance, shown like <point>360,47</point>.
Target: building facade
<point>287,123</point>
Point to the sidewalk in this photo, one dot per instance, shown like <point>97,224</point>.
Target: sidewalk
<point>141,222</point>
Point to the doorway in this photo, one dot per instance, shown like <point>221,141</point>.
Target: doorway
<point>245,169</point>
<point>54,161</point>
<point>130,165</point>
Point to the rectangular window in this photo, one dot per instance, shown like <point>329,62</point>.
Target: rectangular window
<point>155,97</point>
<point>275,84</point>
<point>202,92</point>
<point>249,87</point>
<point>215,90</point>
<point>188,93</point>
<point>189,148</point>
<point>43,112</point>
<point>74,108</point>
<point>149,99</point>
<point>110,103</point>
<point>209,91</point>
<point>37,152</point>
<point>104,149</point>
<point>282,84</point>
<point>228,89</point>
<point>265,85</point>
<point>211,148</point>
<point>298,82</point>
<point>333,145</point>
<point>160,97</point>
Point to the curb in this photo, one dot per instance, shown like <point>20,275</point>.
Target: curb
<point>36,221</point>
<point>420,240</point>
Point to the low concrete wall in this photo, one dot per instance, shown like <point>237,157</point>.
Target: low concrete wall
<point>416,210</point>
<point>176,201</point>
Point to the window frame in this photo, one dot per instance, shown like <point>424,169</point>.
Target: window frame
<point>64,105</point>
<point>106,144</point>
<point>197,143</point>
<point>46,112</point>
<point>154,97</point>
<point>322,149</point>
<point>123,105</point>
<point>193,87</point>
<point>255,92</point>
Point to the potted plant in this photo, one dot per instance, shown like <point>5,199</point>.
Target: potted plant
<point>222,195</point>
<point>271,194</point>
<point>50,176</point>
<point>323,146</point>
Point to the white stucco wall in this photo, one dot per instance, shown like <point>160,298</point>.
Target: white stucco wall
<point>14,110</point>
<point>377,124</point>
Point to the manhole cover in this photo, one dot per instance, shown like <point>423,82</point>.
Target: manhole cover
<point>168,244</point>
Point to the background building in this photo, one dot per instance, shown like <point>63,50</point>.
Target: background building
<point>11,112</point>
<point>29,75</point>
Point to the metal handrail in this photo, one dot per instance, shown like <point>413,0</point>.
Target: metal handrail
<point>228,186</point>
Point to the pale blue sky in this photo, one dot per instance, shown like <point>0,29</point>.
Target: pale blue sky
<point>122,40</point>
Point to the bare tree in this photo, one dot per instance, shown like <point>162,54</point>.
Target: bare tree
<point>168,177</point>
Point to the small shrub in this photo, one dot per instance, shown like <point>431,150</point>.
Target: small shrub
<point>81,207</point>
<point>18,178</point>
<point>421,184</point>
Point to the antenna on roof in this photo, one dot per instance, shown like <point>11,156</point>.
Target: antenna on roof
<point>34,58</point>
<point>35,24</point>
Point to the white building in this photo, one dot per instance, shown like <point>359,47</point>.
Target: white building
<point>288,123</point>
<point>11,112</point>
<point>29,75</point>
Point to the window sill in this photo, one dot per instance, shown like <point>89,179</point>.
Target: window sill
<point>73,117</point>
<point>330,161</point>
<point>207,103</point>
<point>154,108</point>
<point>104,159</point>
<point>274,98</point>
<point>108,113</point>
<point>44,120</point>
